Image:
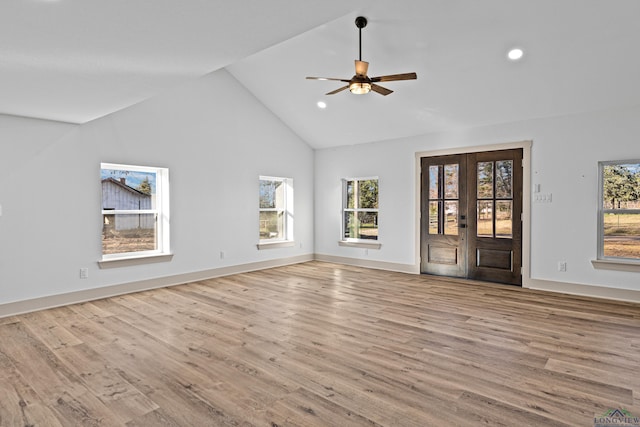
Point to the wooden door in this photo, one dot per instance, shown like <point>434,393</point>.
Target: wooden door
<point>443,245</point>
<point>471,220</point>
<point>495,224</point>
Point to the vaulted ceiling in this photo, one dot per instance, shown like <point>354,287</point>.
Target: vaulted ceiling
<point>78,60</point>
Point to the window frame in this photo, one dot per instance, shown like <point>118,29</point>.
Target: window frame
<point>161,212</point>
<point>287,239</point>
<point>354,241</point>
<point>601,258</point>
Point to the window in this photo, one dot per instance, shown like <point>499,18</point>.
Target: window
<point>619,210</point>
<point>276,209</point>
<point>135,211</point>
<point>360,209</point>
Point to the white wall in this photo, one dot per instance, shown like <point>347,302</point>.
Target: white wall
<point>215,138</point>
<point>565,153</point>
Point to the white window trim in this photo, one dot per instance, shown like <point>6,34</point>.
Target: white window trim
<point>359,243</point>
<point>163,252</point>
<point>288,239</point>
<point>352,241</point>
<point>602,261</point>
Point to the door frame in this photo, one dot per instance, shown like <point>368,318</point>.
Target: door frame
<point>526,196</point>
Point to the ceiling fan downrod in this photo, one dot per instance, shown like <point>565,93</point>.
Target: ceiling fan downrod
<point>361,22</point>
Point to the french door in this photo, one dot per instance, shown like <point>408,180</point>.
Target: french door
<point>471,216</point>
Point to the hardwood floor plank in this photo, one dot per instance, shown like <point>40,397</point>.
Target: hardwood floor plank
<point>19,403</point>
<point>60,389</point>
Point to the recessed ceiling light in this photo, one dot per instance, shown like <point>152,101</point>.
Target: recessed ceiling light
<point>322,104</point>
<point>515,54</point>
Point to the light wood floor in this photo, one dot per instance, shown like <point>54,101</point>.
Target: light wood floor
<point>322,345</point>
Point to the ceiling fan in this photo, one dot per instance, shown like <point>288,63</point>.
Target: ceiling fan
<point>360,83</point>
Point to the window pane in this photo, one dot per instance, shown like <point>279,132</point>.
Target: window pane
<point>485,180</point>
<point>504,178</point>
<point>350,225</point>
<point>485,219</point>
<point>271,194</point>
<point>621,186</point>
<point>128,233</point>
<point>451,218</point>
<point>368,225</point>
<point>451,181</point>
<point>271,225</point>
<point>128,190</point>
<point>504,215</point>
<point>434,180</point>
<point>622,235</point>
<point>350,195</point>
<point>368,194</point>
<point>434,213</point>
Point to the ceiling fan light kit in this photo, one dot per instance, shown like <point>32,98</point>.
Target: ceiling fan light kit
<point>361,83</point>
<point>360,88</point>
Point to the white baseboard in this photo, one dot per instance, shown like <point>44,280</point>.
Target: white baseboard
<point>378,265</point>
<point>628,295</point>
<point>52,301</point>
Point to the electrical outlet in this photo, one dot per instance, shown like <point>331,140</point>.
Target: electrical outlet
<point>221,254</point>
<point>84,273</point>
<point>562,266</point>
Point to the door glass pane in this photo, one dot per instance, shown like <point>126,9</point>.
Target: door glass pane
<point>434,180</point>
<point>368,222</point>
<point>504,222</point>
<point>128,233</point>
<point>434,213</point>
<point>504,179</point>
<point>451,218</point>
<point>485,218</point>
<point>451,181</point>
<point>485,180</point>
<point>621,233</point>
<point>368,194</point>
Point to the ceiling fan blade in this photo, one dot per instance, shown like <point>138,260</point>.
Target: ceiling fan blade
<point>328,78</point>
<point>381,90</point>
<point>333,92</point>
<point>394,77</point>
<point>362,67</point>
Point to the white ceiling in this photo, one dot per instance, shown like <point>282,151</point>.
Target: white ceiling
<point>77,60</point>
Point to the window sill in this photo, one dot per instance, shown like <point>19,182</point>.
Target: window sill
<point>359,244</point>
<point>141,260</point>
<point>617,265</point>
<point>276,245</point>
